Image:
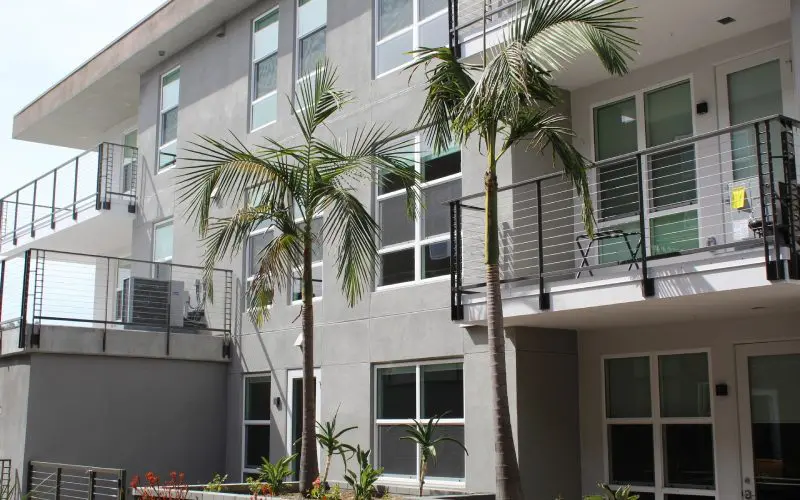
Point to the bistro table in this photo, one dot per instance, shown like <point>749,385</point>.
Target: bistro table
<point>606,235</point>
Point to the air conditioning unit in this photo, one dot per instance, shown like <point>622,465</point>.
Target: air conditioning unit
<point>149,302</point>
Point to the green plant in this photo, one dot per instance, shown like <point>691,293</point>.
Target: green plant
<point>510,100</point>
<point>321,492</point>
<point>330,440</point>
<point>216,483</point>
<point>257,488</point>
<point>284,187</point>
<point>622,493</point>
<point>274,475</point>
<point>363,481</point>
<point>423,434</point>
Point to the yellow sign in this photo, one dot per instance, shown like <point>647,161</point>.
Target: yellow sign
<point>738,198</point>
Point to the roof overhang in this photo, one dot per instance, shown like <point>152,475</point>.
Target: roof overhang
<point>104,91</point>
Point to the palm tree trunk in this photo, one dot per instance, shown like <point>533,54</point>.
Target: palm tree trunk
<point>309,467</point>
<point>423,470</point>
<point>507,468</point>
<point>324,479</point>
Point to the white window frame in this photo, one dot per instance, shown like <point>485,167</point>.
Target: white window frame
<point>126,162</point>
<point>651,212</point>
<point>161,113</point>
<point>420,241</point>
<point>257,423</point>
<point>656,421</point>
<point>250,273</point>
<point>389,479</point>
<point>414,26</point>
<point>166,222</point>
<point>299,77</point>
<point>317,264</point>
<point>254,70</point>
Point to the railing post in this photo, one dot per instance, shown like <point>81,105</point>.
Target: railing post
<point>33,208</point>
<point>778,271</point>
<point>105,305</point>
<point>456,306</point>
<point>123,483</point>
<point>53,203</point>
<point>23,326</point>
<point>58,483</point>
<point>544,297</point>
<point>98,196</point>
<point>92,484</point>
<point>648,283</point>
<point>16,217</point>
<point>169,306</point>
<point>2,285</point>
<point>75,190</point>
<point>763,199</point>
<point>452,19</point>
<point>29,481</point>
<point>792,196</point>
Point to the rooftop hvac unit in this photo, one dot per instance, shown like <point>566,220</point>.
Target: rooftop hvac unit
<point>149,302</point>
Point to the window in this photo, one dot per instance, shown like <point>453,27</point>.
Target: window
<point>264,99</point>
<point>162,241</point>
<point>255,423</point>
<point>412,251</point>
<point>645,120</point>
<point>405,25</point>
<point>658,424</point>
<point>168,118</point>
<point>129,160</point>
<point>258,240</point>
<point>312,19</point>
<point>408,392</point>
<point>316,264</point>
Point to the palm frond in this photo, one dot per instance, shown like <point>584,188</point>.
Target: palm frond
<point>276,261</point>
<point>318,98</point>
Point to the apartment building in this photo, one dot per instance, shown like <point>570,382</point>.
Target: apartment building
<point>660,352</point>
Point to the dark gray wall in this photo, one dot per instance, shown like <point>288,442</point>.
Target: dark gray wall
<point>136,414</point>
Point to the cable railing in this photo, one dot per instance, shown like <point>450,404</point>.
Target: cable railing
<point>716,196</point>
<point>92,180</point>
<point>474,18</point>
<point>42,288</point>
<point>53,481</point>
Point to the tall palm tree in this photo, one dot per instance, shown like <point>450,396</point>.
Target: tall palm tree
<point>317,174</point>
<point>512,99</point>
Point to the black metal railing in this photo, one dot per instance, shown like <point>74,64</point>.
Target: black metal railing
<point>475,18</point>
<point>45,287</point>
<point>711,196</point>
<point>91,180</point>
<point>53,481</point>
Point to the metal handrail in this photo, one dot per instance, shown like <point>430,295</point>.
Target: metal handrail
<point>485,14</point>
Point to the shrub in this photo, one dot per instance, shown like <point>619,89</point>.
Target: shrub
<point>216,483</point>
<point>174,489</point>
<point>274,475</point>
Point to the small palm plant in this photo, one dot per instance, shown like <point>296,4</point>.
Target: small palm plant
<point>622,493</point>
<point>330,440</point>
<point>423,433</point>
<point>274,475</point>
<point>363,481</point>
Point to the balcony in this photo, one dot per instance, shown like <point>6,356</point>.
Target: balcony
<point>85,205</point>
<point>76,303</point>
<point>711,213</point>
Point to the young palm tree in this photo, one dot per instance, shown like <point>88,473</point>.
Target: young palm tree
<point>315,175</point>
<point>510,100</point>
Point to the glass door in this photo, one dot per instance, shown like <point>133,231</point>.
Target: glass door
<point>295,415</point>
<point>769,419</point>
<point>749,88</point>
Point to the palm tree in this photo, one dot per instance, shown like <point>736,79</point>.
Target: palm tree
<point>315,175</point>
<point>423,434</point>
<point>509,100</point>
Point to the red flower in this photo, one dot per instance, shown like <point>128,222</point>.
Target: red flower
<point>135,482</point>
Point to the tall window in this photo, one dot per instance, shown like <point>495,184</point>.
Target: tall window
<point>658,422</point>
<point>658,117</point>
<point>259,238</point>
<point>264,98</point>
<point>316,263</point>
<point>129,157</point>
<point>405,25</point>
<point>256,423</point>
<point>168,118</point>
<point>419,391</point>
<point>162,241</point>
<point>410,250</point>
<point>312,19</point>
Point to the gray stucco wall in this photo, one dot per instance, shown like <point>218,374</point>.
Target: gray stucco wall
<point>131,413</point>
<point>15,375</point>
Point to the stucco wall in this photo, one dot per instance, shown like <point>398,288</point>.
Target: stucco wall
<point>15,375</point>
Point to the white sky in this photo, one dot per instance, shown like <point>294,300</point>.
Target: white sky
<point>42,42</point>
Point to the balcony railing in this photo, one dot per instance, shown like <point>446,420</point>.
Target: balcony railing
<point>50,288</point>
<point>474,18</point>
<point>92,180</point>
<point>717,196</point>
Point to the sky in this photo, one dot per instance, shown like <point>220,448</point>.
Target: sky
<point>42,41</point>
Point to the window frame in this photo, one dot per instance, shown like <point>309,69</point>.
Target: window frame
<point>162,223</point>
<point>161,112</point>
<point>298,43</point>
<point>420,241</point>
<point>656,421</point>
<point>254,71</point>
<point>271,228</point>
<point>317,264</point>
<point>652,212</point>
<point>258,423</point>
<point>415,26</point>
<point>376,422</point>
